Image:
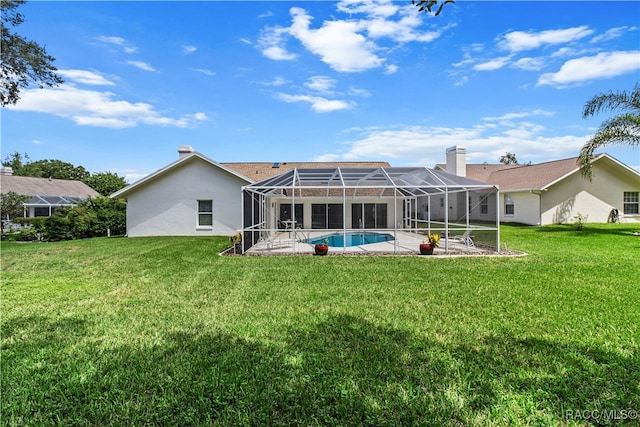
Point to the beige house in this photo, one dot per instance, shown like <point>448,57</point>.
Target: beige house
<point>555,192</point>
<point>45,194</point>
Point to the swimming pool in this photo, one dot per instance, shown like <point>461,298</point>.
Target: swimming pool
<point>352,239</point>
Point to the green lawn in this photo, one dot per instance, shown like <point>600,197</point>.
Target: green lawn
<point>163,331</point>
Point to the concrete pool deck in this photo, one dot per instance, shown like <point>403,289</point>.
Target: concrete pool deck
<point>406,243</point>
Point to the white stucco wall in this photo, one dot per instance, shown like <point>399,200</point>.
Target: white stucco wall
<point>526,208</point>
<point>168,205</point>
<point>573,195</point>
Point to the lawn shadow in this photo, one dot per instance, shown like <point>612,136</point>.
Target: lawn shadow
<point>344,370</point>
<point>620,229</point>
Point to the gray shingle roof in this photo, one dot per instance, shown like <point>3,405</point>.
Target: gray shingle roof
<point>520,177</point>
<point>30,186</point>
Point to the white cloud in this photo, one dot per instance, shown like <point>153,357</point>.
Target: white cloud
<point>602,65</point>
<point>612,33</point>
<point>529,64</point>
<point>318,104</point>
<point>567,51</point>
<point>187,49</point>
<point>246,41</point>
<point>390,69</point>
<point>101,109</point>
<point>277,81</point>
<point>86,77</point>
<point>493,64</point>
<point>142,65</point>
<point>425,146</point>
<point>359,92</point>
<point>118,41</point>
<point>271,44</point>
<point>521,115</point>
<point>321,84</point>
<point>204,71</point>
<point>349,45</point>
<point>523,40</point>
<point>380,8</point>
<point>337,43</point>
<point>278,53</point>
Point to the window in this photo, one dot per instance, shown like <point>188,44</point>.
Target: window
<point>205,213</point>
<point>509,208</point>
<point>41,211</point>
<point>631,203</point>
<point>484,206</point>
<point>469,204</point>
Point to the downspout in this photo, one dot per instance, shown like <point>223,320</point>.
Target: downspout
<point>244,238</point>
<point>344,219</point>
<point>497,219</point>
<point>395,220</point>
<point>446,219</point>
<point>293,214</point>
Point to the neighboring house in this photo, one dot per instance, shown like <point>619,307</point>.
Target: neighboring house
<point>45,194</point>
<point>555,192</point>
<point>197,196</point>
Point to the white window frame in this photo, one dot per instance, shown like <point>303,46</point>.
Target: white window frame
<point>629,200</point>
<point>484,206</point>
<point>202,213</point>
<point>508,202</point>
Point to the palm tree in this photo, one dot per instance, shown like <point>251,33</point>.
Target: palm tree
<point>621,129</point>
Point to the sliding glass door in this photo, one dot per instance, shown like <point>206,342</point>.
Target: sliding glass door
<point>285,216</point>
<point>369,215</point>
<point>327,216</point>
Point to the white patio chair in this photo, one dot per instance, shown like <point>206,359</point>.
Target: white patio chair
<point>464,238</point>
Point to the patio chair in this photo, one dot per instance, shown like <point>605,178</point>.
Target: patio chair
<point>464,238</point>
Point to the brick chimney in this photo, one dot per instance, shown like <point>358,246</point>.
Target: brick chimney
<point>185,150</point>
<point>457,160</point>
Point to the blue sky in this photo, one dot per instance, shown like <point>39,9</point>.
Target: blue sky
<point>281,81</point>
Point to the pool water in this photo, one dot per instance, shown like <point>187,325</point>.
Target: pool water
<point>352,239</point>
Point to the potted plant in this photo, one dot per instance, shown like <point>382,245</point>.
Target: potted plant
<point>322,248</point>
<point>236,240</point>
<point>427,246</point>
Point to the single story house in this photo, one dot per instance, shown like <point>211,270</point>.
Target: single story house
<point>45,194</point>
<point>555,192</point>
<point>197,196</point>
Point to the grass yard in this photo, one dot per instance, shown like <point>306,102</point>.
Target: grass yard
<point>163,331</point>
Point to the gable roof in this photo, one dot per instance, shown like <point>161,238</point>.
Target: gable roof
<point>31,186</point>
<point>248,172</point>
<point>530,177</point>
<point>175,165</point>
<point>259,171</point>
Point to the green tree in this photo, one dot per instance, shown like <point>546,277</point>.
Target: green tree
<point>14,161</point>
<point>56,169</point>
<point>621,129</point>
<point>105,183</point>
<point>509,159</point>
<point>430,5</point>
<point>111,215</point>
<point>24,62</point>
<point>11,205</point>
